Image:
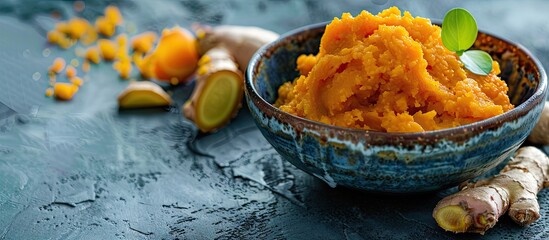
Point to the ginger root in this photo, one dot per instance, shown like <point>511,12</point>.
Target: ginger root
<point>477,207</point>
<point>218,92</point>
<point>540,133</point>
<point>241,41</point>
<point>143,94</point>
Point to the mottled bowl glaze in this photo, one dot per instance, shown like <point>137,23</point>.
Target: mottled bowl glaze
<point>393,162</point>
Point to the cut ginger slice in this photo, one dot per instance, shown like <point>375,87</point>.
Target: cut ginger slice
<point>143,94</point>
<point>221,94</point>
<point>218,91</point>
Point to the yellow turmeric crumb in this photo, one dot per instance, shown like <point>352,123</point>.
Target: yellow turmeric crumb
<point>64,91</point>
<point>77,27</point>
<point>49,92</point>
<point>136,57</point>
<point>105,27</point>
<point>54,36</point>
<point>204,60</point>
<point>124,67</point>
<point>89,37</point>
<point>70,71</point>
<point>108,49</point>
<point>66,42</point>
<point>122,40</point>
<point>200,34</point>
<point>122,54</point>
<point>92,55</point>
<point>113,15</point>
<point>62,27</point>
<point>77,81</point>
<point>86,66</point>
<point>174,81</point>
<point>144,65</point>
<point>58,65</point>
<point>143,42</point>
<point>202,70</point>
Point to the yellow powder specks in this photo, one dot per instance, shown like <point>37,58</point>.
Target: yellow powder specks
<point>108,49</point>
<point>57,66</point>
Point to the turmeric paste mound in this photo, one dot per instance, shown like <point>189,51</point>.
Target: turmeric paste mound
<point>390,72</point>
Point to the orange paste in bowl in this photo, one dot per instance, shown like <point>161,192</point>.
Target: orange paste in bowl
<point>390,72</point>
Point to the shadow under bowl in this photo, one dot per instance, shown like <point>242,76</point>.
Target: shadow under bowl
<point>393,162</point>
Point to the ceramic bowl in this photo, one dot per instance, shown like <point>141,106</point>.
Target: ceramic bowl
<point>393,162</point>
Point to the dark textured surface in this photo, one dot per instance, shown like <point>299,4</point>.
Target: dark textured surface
<point>84,170</point>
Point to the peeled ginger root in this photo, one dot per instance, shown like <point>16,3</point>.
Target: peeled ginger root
<point>477,207</point>
<point>218,92</point>
<point>143,94</point>
<point>241,41</point>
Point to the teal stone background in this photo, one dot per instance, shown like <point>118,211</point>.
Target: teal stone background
<point>84,170</point>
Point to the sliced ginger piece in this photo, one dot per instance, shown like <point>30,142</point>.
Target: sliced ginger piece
<point>454,218</point>
<point>143,94</point>
<point>221,96</point>
<point>218,92</point>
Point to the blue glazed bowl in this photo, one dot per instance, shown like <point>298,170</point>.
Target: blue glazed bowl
<point>393,162</point>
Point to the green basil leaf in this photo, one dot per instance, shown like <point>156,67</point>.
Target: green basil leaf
<point>477,61</point>
<point>459,30</point>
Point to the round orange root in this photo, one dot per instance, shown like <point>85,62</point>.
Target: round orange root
<point>175,56</point>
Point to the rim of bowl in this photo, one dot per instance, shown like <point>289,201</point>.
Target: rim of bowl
<point>520,110</point>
